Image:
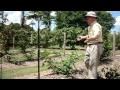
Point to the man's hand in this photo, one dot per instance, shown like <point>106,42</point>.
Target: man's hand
<point>79,38</point>
<point>90,39</point>
<point>86,41</point>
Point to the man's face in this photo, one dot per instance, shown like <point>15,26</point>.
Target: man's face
<point>89,20</point>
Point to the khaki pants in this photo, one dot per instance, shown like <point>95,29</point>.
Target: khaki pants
<point>93,53</point>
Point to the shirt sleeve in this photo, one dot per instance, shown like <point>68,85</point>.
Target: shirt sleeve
<point>97,30</point>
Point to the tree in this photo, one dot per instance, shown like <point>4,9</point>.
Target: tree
<point>45,37</point>
<point>23,37</point>
<point>117,40</point>
<point>72,34</point>
<point>8,34</point>
<point>14,27</point>
<point>22,18</point>
<point>40,17</point>
<point>3,32</point>
<point>71,19</point>
<point>107,21</point>
<point>32,23</point>
<point>47,19</point>
<point>37,15</point>
<point>58,37</point>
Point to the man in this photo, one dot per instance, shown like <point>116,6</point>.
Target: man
<point>94,44</point>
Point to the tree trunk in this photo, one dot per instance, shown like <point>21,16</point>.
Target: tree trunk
<point>13,42</point>
<point>114,43</point>
<point>31,38</point>
<point>38,50</point>
<point>64,44</point>
<point>22,18</point>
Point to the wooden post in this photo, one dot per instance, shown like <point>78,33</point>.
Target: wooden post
<point>64,44</point>
<point>114,43</point>
<point>1,68</point>
<point>38,51</point>
<point>31,38</point>
<point>13,42</point>
<point>2,14</point>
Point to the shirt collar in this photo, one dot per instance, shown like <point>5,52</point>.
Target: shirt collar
<point>93,23</point>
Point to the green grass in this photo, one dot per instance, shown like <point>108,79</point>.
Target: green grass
<point>12,73</point>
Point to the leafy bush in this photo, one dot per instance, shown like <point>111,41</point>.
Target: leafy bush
<point>66,66</point>
<point>45,54</point>
<point>23,39</point>
<point>58,37</point>
<point>56,53</point>
<point>107,49</point>
<point>30,55</point>
<point>107,21</point>
<point>45,36</point>
<point>18,60</point>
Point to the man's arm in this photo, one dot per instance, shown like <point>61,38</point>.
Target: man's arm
<point>92,38</point>
<point>97,31</point>
<point>82,37</point>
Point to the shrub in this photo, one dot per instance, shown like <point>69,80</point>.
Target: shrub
<point>65,67</point>
<point>45,54</point>
<point>29,56</point>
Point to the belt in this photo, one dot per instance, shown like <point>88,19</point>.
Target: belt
<point>95,43</point>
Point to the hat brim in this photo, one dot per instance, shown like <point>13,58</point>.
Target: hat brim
<point>90,16</point>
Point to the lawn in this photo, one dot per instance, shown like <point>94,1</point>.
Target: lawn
<point>12,73</point>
